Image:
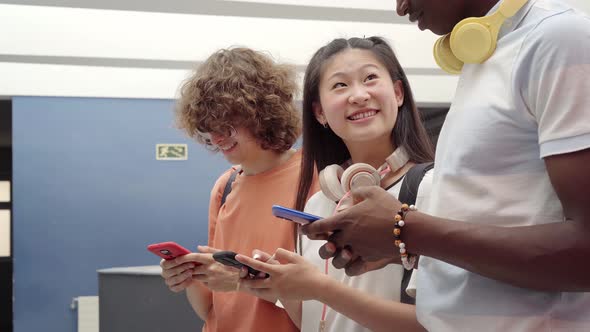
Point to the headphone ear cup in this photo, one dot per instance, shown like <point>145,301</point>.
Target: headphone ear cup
<point>444,57</point>
<point>472,40</point>
<point>360,175</point>
<point>330,182</point>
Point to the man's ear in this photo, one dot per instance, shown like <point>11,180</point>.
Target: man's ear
<point>319,113</point>
<point>398,88</point>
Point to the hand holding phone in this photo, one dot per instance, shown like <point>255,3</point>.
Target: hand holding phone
<point>229,258</point>
<point>299,217</point>
<point>168,250</point>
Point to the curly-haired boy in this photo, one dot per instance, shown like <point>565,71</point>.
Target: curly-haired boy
<point>241,103</point>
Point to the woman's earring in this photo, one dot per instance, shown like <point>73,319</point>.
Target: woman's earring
<point>325,124</point>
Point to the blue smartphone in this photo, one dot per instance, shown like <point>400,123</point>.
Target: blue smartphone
<point>293,215</point>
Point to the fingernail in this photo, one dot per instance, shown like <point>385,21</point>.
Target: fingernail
<point>256,256</point>
<point>331,247</point>
<point>346,255</point>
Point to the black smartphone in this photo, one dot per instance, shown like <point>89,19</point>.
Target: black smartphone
<point>229,258</point>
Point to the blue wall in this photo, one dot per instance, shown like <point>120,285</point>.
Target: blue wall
<point>88,194</point>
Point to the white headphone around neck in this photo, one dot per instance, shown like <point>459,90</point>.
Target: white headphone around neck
<point>335,182</point>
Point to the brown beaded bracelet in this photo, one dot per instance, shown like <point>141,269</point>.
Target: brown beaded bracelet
<point>408,261</point>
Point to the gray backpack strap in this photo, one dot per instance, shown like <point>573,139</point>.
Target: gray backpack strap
<point>408,194</point>
<point>228,184</point>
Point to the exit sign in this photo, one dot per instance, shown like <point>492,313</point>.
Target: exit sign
<point>171,152</point>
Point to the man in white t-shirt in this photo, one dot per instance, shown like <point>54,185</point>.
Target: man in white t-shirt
<point>505,240</point>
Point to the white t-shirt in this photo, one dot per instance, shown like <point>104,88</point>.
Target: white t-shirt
<point>384,283</point>
<point>530,100</point>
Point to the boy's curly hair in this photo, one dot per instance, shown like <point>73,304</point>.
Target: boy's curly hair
<point>243,88</point>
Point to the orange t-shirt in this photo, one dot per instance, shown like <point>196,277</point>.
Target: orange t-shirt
<point>245,223</point>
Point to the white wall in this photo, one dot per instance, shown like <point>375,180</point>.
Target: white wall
<point>5,220</point>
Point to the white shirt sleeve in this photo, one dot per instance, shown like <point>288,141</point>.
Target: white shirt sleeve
<point>422,201</point>
<point>412,284</point>
<point>554,69</point>
<point>423,196</point>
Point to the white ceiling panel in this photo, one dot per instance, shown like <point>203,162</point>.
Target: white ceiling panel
<point>51,50</point>
<point>365,4</point>
<point>25,79</point>
<point>269,9</point>
<point>386,5</point>
<point>74,32</point>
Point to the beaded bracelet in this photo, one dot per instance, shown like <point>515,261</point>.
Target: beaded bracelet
<point>408,261</point>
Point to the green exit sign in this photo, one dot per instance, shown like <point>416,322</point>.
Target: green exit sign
<point>171,152</point>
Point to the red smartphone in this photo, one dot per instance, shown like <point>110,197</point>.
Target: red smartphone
<point>168,250</point>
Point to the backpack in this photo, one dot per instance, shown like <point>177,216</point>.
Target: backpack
<point>407,194</point>
<point>228,184</point>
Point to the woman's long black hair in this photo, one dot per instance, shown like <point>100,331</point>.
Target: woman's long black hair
<point>322,147</point>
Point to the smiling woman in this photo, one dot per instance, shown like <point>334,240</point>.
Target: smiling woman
<point>359,115</point>
<point>355,81</point>
<point>358,88</point>
<point>377,85</point>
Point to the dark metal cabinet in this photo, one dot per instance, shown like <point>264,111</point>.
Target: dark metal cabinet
<point>136,299</point>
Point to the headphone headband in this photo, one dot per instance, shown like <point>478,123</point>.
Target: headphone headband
<point>398,159</point>
<point>509,8</point>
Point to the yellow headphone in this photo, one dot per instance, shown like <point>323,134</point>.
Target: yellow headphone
<point>473,40</point>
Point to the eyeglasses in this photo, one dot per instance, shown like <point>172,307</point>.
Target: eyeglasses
<point>226,138</point>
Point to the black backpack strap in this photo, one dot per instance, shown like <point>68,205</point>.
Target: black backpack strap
<point>408,194</point>
<point>228,184</point>
<point>411,182</point>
